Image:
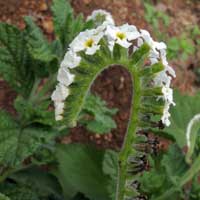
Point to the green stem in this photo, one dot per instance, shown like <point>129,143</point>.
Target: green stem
<point>130,135</point>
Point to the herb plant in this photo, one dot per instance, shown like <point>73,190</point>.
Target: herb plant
<point>95,50</point>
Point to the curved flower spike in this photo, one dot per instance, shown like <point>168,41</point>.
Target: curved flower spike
<point>95,50</point>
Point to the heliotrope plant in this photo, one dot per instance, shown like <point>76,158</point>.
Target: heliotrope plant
<point>96,49</point>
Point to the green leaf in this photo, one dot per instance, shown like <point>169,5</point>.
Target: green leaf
<point>110,163</point>
<point>186,107</point>
<point>195,190</point>
<point>39,180</point>
<point>80,170</point>
<point>14,59</point>
<point>174,163</point>
<point>96,116</point>
<point>165,174</point>
<point>62,18</point>
<point>3,197</point>
<point>18,192</point>
<point>40,49</point>
<point>34,112</point>
<point>110,167</point>
<point>67,26</point>
<point>152,182</point>
<point>17,143</point>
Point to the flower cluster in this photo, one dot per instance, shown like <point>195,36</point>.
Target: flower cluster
<point>89,42</point>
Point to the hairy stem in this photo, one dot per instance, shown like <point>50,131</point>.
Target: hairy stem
<point>130,135</point>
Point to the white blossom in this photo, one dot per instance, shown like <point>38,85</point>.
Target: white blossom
<point>60,93</point>
<point>65,77</point>
<point>88,41</point>
<point>71,60</point>
<point>168,95</point>
<point>59,108</point>
<point>58,117</point>
<point>166,64</point>
<point>162,78</point>
<point>155,46</point>
<point>140,42</point>
<point>122,35</point>
<point>166,115</point>
<point>101,17</point>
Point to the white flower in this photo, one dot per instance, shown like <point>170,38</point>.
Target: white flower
<point>101,17</point>
<point>88,41</point>
<point>58,117</point>
<point>122,35</point>
<point>140,42</point>
<point>65,77</point>
<point>155,46</point>
<point>71,60</point>
<point>59,108</point>
<point>60,93</point>
<point>166,64</point>
<point>161,79</point>
<point>166,115</point>
<point>153,60</point>
<point>168,95</point>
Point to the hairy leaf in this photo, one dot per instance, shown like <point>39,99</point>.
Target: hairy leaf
<point>165,174</point>
<point>14,59</point>
<point>174,163</point>
<point>40,49</point>
<point>34,112</point>
<point>39,180</point>
<point>80,170</point>
<point>62,13</point>
<point>67,26</point>
<point>17,143</point>
<point>18,192</point>
<point>3,197</point>
<point>96,116</point>
<point>195,190</point>
<point>110,167</point>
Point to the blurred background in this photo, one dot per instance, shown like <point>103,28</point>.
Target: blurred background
<point>176,22</point>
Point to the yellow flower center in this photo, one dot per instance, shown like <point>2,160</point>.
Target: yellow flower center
<point>120,35</point>
<point>89,42</point>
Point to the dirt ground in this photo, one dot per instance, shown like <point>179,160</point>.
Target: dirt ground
<point>113,85</point>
